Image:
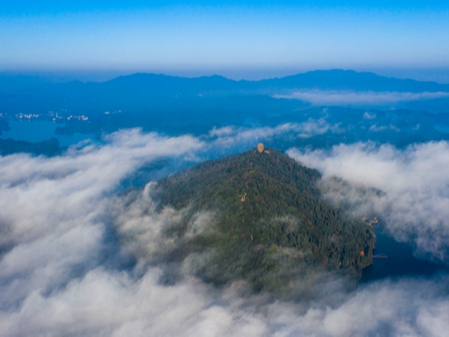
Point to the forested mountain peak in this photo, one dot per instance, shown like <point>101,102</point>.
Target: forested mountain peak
<point>267,223</point>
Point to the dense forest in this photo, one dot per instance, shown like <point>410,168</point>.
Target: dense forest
<point>266,222</point>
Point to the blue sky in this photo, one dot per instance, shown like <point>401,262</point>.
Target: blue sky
<point>234,38</point>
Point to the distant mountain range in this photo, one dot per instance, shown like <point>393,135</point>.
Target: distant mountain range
<point>320,79</point>
<point>158,83</point>
<point>138,89</point>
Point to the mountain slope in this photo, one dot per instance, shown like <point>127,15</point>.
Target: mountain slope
<point>258,217</point>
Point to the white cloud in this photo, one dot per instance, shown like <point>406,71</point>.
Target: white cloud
<point>375,128</point>
<point>231,136</point>
<point>55,279</point>
<point>52,207</point>
<point>113,304</point>
<point>416,182</point>
<point>368,115</point>
<point>323,97</point>
<point>314,127</point>
<point>138,224</point>
<point>224,131</point>
<point>380,309</point>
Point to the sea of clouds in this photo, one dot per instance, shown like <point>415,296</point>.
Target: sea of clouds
<point>68,266</point>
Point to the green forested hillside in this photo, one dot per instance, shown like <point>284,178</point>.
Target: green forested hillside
<point>267,223</point>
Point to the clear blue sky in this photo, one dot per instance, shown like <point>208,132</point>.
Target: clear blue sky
<point>238,38</point>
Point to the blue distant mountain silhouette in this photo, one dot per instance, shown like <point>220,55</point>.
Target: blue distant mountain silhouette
<point>142,90</point>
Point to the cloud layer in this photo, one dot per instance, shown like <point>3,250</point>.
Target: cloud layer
<point>416,183</point>
<point>230,136</point>
<point>62,271</point>
<point>370,98</point>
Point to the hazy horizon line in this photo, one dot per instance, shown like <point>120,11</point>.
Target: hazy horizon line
<point>440,76</point>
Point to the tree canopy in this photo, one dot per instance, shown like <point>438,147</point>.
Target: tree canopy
<point>268,224</point>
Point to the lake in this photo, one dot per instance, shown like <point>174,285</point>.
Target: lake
<point>37,131</point>
<point>400,262</point>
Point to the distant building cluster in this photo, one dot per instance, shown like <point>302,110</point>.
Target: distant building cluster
<point>80,118</point>
<point>113,112</point>
<point>26,116</point>
<point>53,115</point>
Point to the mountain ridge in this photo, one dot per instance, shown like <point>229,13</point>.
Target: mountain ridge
<point>334,79</point>
<point>266,223</point>
<point>142,96</point>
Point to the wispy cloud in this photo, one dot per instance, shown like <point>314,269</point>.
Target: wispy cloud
<point>315,127</point>
<point>368,115</point>
<point>230,135</point>
<point>371,98</point>
<point>376,128</point>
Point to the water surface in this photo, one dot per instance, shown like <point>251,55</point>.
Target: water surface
<point>400,261</point>
<point>37,131</point>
